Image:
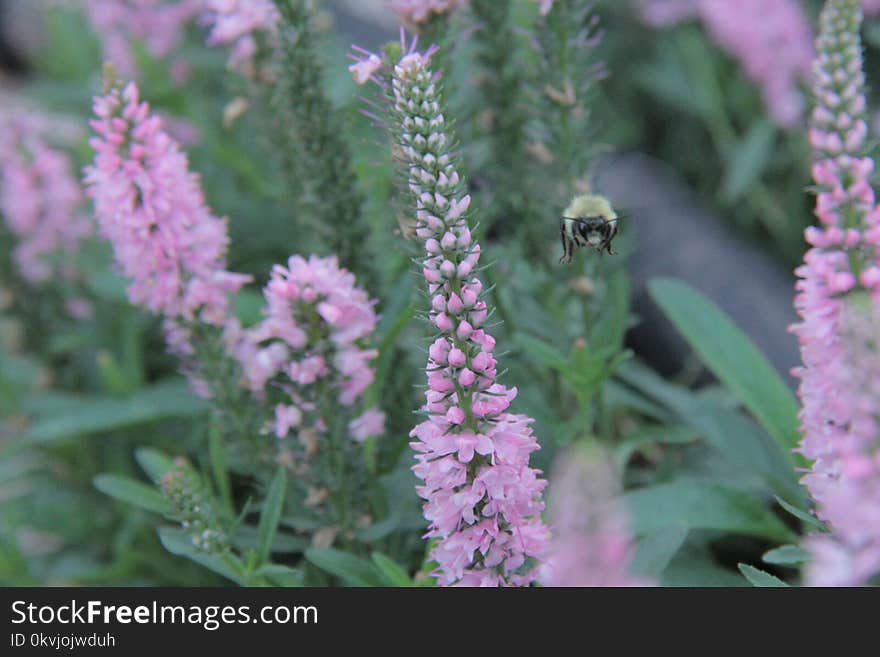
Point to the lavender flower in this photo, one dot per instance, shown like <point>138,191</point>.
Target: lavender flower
<point>39,196</point>
<point>307,365</point>
<point>591,545</point>
<point>840,285</point>
<point>152,209</point>
<point>482,500</point>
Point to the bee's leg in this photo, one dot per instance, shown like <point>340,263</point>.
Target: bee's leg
<point>566,245</point>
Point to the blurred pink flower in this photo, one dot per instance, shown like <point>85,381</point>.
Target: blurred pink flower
<point>837,298</point>
<point>544,6</point>
<point>370,423</point>
<point>414,13</point>
<point>39,195</point>
<point>158,24</point>
<point>236,23</point>
<point>592,544</point>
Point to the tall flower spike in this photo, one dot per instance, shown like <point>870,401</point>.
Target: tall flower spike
<point>592,544</point>
<point>482,500</point>
<point>840,276</point>
<point>39,195</point>
<point>151,208</point>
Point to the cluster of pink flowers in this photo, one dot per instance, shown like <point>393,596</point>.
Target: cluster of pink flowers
<point>414,13</point>
<point>235,23</point>
<point>483,501</point>
<point>840,282</point>
<point>152,210</point>
<point>39,195</point>
<point>592,544</point>
<point>771,40</point>
<point>311,338</point>
<point>158,24</point>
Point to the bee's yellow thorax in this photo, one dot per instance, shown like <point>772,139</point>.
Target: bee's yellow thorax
<point>590,205</point>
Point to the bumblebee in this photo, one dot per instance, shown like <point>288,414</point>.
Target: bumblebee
<point>589,220</point>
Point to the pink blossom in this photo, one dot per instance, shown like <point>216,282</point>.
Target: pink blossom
<point>311,339</point>
<point>414,13</point>
<point>158,24</point>
<point>370,423</point>
<point>591,544</point>
<point>238,23</point>
<point>39,195</point>
<point>482,499</point>
<point>152,210</point>
<point>837,299</point>
<point>363,69</point>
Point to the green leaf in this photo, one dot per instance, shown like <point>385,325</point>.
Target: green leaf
<point>650,435</point>
<point>786,555</point>
<point>352,570</point>
<point>178,542</point>
<point>247,537</point>
<point>91,415</point>
<point>132,491</point>
<point>702,504</point>
<point>760,578</point>
<point>732,434</point>
<point>271,513</point>
<point>800,514</point>
<point>740,439</point>
<point>217,454</point>
<point>748,160</point>
<point>154,463</point>
<point>282,575</point>
<point>391,570</point>
<point>544,353</point>
<point>731,356</point>
<point>655,551</point>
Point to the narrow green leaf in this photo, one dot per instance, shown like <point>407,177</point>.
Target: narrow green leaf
<point>649,435</point>
<point>703,504</point>
<point>132,491</point>
<point>730,432</point>
<point>216,451</point>
<point>93,415</point>
<point>271,513</point>
<point>153,462</point>
<point>544,353</point>
<point>352,570</point>
<point>786,555</point>
<point>757,577</point>
<point>800,514</point>
<point>282,575</point>
<point>655,551</point>
<point>731,356</point>
<point>391,570</point>
<point>748,160</point>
